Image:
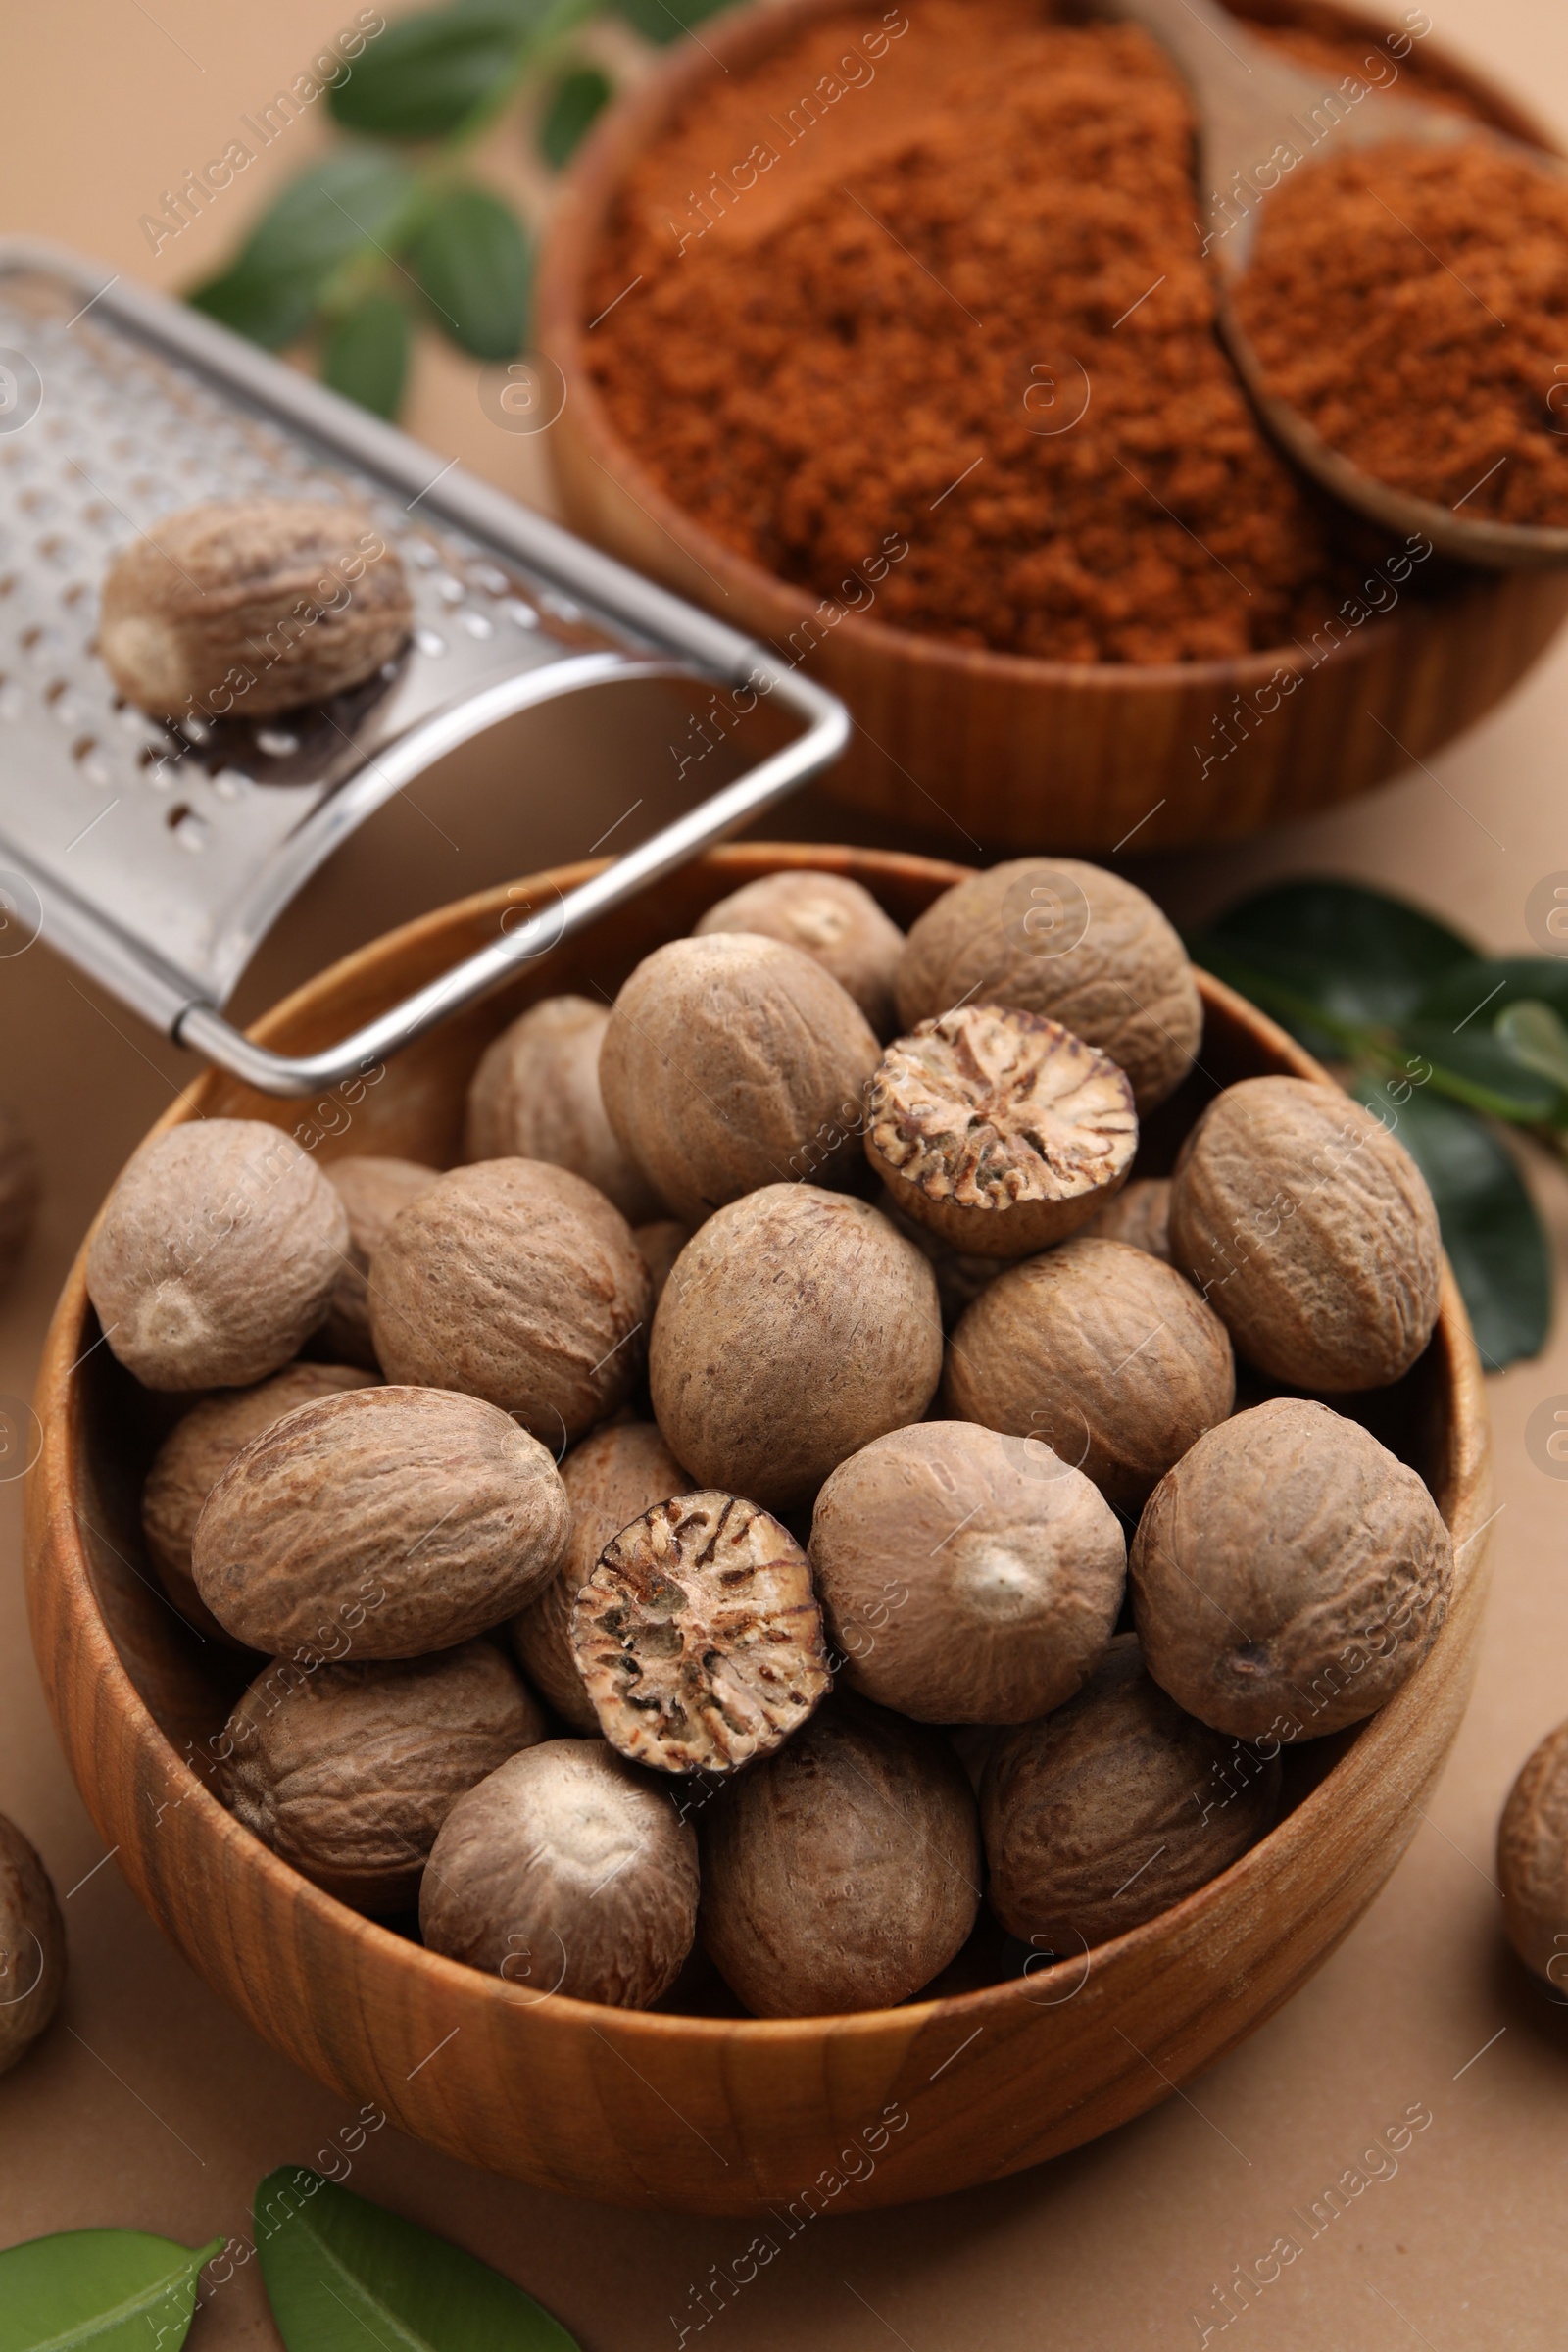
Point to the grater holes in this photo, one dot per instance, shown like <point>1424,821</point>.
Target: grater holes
<point>187,827</point>
<point>88,756</point>
<point>477,624</point>
<point>276,742</point>
<point>430,643</point>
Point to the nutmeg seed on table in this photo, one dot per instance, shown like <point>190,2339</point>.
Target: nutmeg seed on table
<point>194,1457</point>
<point>1533,1861</point>
<point>1114,1808</point>
<point>247,607</point>
<point>1103,1353</point>
<point>731,1062</point>
<point>998,1129</point>
<point>568,1871</point>
<point>535,1096</point>
<point>834,919</point>
<point>797,1325</point>
<point>615,1475</point>
<point>373,1192</point>
<point>215,1255</point>
<point>698,1635</point>
<point>843,1872</point>
<point>1288,1574</point>
<point>517,1282</point>
<point>380,1524</point>
<point>1310,1230</point>
<point>32,1946</point>
<point>1055,936</point>
<point>965,1577</point>
<point>347,1772</point>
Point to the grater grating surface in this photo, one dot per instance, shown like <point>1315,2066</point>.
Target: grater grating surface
<point>159,856</point>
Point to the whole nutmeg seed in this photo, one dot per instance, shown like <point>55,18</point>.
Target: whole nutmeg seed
<point>1114,1808</point>
<point>1103,1352</point>
<point>1532,1860</point>
<point>19,1193</point>
<point>373,1192</point>
<point>661,1244</point>
<point>1310,1230</point>
<point>733,1063</point>
<point>380,1524</point>
<point>566,1871</point>
<point>215,1255</point>
<point>844,1873</point>
<point>194,1457</point>
<point>1288,1574</point>
<point>535,1096</point>
<point>611,1477</point>
<point>1000,1130</point>
<point>797,1326</point>
<point>519,1283</point>
<point>347,1772</point>
<point>251,605</point>
<point>834,921</point>
<point>1054,936</point>
<point>698,1635</point>
<point>965,1577</point>
<point>32,1946</point>
<point>1139,1215</point>
<point>960,1277</point>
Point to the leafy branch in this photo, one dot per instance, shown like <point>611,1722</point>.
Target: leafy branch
<point>392,230</point>
<point>1448,1045</point>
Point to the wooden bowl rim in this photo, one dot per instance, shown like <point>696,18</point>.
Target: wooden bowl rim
<point>593,180</point>
<point>1375,1748</point>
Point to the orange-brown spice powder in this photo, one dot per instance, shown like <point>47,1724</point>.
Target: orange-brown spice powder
<point>868,334</point>
<point>1412,303</point>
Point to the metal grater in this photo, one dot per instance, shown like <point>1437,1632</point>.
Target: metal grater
<point>158,859</point>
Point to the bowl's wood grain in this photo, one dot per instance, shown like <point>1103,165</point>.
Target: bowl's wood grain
<point>1030,753</point>
<point>713,2114</point>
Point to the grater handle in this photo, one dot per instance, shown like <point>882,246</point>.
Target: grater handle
<point>203,1028</point>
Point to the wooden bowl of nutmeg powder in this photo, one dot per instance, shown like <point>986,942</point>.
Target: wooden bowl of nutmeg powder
<point>890,337</point>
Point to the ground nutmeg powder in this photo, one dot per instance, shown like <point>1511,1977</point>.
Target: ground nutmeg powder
<point>929,278</point>
<point>1412,302</point>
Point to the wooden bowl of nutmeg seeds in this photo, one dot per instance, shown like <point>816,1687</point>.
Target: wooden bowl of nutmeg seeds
<point>1016,1654</point>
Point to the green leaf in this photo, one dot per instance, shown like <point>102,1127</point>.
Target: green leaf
<point>267,310</point>
<point>578,98</point>
<point>1490,984</point>
<point>347,199</point>
<point>424,72</point>
<point>270,293</point>
<point>1501,1259</point>
<point>474,264</point>
<point>117,2291</point>
<point>367,354</point>
<point>1356,953</point>
<point>342,2274</point>
<point>1536,1038</point>
<point>667,19</point>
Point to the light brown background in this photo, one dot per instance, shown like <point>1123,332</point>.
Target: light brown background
<point>150,2105</point>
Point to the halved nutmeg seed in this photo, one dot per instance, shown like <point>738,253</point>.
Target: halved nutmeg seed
<point>698,1635</point>
<point>240,608</point>
<point>998,1129</point>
